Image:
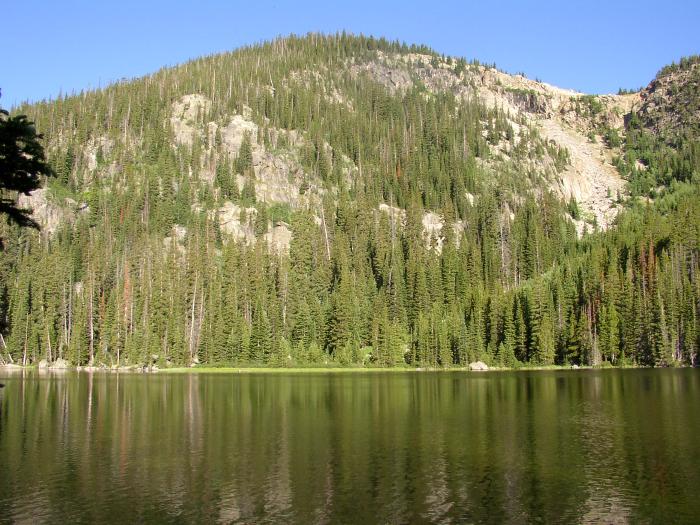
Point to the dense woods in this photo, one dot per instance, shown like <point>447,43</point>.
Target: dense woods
<point>139,270</point>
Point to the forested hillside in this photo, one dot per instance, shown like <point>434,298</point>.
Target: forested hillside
<point>348,200</point>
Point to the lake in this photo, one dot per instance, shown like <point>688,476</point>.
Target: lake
<point>612,446</point>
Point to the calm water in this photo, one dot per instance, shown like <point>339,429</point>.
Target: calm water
<point>587,446</point>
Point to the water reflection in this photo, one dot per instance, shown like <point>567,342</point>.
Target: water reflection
<point>607,446</point>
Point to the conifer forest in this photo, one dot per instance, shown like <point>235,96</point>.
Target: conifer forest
<point>350,201</point>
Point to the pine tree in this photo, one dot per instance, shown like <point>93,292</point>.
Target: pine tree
<point>244,161</point>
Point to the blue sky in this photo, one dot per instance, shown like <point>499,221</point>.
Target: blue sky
<point>595,46</point>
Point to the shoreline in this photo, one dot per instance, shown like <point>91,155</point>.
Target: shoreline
<point>357,369</point>
<point>306,370</point>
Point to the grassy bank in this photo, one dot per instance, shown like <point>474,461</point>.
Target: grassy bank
<point>279,370</point>
<point>349,370</point>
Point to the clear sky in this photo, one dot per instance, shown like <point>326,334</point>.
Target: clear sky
<point>594,46</point>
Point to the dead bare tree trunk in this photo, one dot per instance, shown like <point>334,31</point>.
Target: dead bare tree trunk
<point>192,310</point>
<point>26,340</point>
<point>48,344</point>
<point>325,233</point>
<point>90,321</point>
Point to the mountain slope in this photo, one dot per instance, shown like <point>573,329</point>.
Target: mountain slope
<point>349,200</point>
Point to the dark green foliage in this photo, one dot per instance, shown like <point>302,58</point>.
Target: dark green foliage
<point>589,105</point>
<point>612,138</point>
<point>248,191</point>
<point>684,63</point>
<point>244,161</point>
<point>573,209</point>
<point>22,164</point>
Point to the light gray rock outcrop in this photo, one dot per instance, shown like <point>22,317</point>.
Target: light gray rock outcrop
<point>60,364</point>
<point>478,366</point>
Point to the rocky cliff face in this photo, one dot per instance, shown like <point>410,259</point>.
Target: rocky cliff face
<point>671,102</point>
